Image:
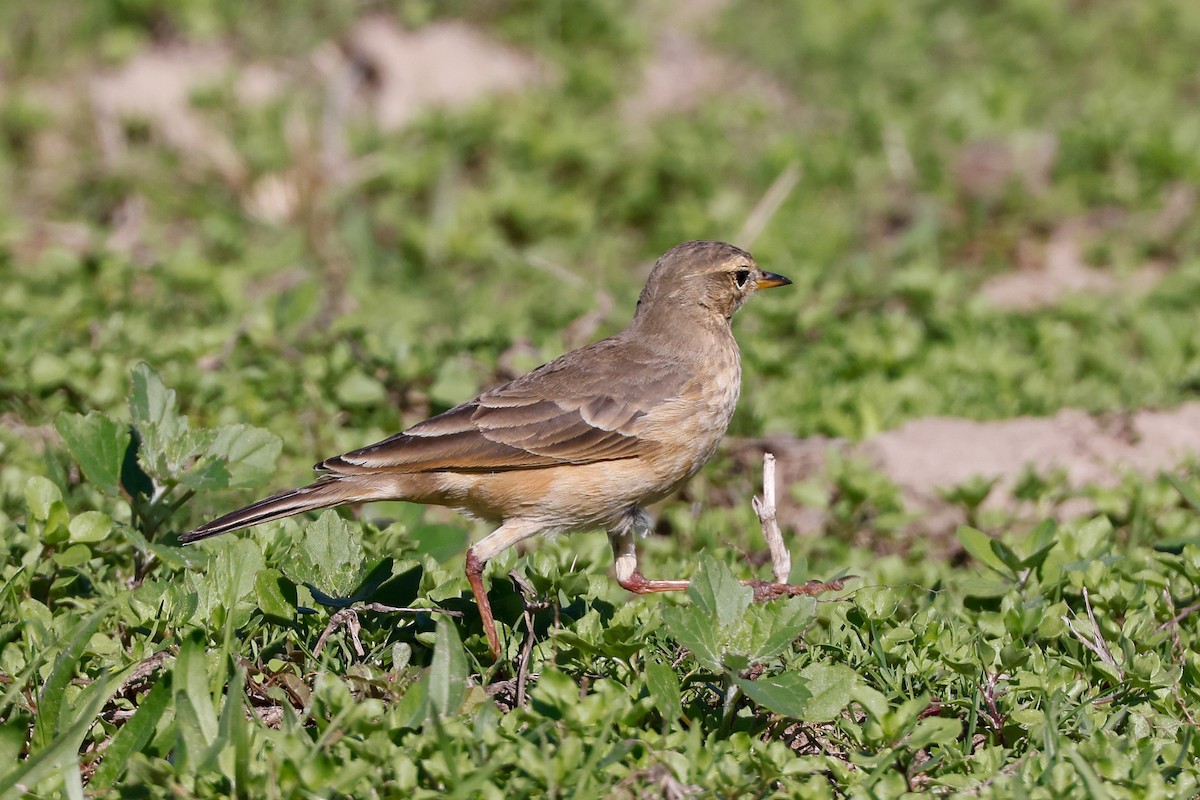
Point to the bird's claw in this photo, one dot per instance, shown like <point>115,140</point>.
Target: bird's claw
<point>768,590</point>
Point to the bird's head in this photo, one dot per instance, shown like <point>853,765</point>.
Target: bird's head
<point>710,278</point>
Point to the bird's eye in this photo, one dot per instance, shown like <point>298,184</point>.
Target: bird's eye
<point>741,277</point>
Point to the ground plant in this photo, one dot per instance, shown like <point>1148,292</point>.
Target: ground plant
<point>220,260</point>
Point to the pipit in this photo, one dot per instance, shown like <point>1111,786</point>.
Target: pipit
<point>583,442</point>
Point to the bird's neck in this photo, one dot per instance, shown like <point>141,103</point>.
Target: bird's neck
<point>683,330</point>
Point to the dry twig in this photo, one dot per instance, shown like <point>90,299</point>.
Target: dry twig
<point>781,559</point>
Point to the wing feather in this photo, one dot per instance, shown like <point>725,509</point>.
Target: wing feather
<point>566,412</point>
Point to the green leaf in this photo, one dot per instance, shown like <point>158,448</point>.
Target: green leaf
<point>12,744</point>
<point>1185,491</point>
<point>1094,537</point>
<point>40,496</point>
<point>204,476</point>
<point>1043,535</point>
<point>134,735</point>
<point>877,602</point>
<point>98,443</point>
<point>64,748</point>
<point>979,545</point>
<point>717,592</point>
<point>234,569</point>
<point>231,751</point>
<point>871,699</point>
<point>1039,556</point>
<point>197,724</point>
<point>152,408</point>
<point>72,556</point>
<point>357,389</point>
<point>440,542</point>
<point>276,595</point>
<point>698,632</point>
<point>50,697</point>
<point>250,454</point>
<point>933,730</point>
<point>448,670</point>
<point>785,694</point>
<point>774,627</point>
<point>830,687</point>
<point>555,695</point>
<point>818,693</point>
<point>1006,555</point>
<point>1094,787</point>
<point>663,685</point>
<point>90,526</point>
<point>328,557</point>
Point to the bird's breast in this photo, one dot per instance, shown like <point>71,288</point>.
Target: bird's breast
<point>687,428</point>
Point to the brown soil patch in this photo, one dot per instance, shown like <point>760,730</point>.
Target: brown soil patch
<point>401,73</point>
<point>681,73</point>
<point>442,65</point>
<point>156,87</point>
<point>927,455</point>
<point>1059,270</point>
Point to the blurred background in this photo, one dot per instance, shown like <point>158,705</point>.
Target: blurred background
<point>332,219</point>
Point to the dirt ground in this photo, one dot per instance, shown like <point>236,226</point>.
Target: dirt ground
<point>925,456</point>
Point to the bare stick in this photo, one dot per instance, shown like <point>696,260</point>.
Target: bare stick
<point>781,559</point>
<point>1095,642</point>
<point>768,204</point>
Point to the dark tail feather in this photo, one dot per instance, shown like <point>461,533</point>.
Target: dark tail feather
<point>322,494</point>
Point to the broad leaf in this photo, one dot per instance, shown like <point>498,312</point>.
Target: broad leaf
<point>663,684</point>
<point>785,694</point>
<point>830,687</point>
<point>448,670</point>
<point>440,542</point>
<point>774,626</point>
<point>979,545</point>
<point>328,557</point>
<point>152,408</point>
<point>250,454</point>
<point>698,632</point>
<point>98,443</point>
<point>90,526</point>
<point>717,592</point>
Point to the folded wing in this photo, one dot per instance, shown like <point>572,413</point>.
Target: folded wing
<point>566,412</point>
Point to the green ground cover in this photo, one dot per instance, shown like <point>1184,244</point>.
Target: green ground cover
<point>459,254</point>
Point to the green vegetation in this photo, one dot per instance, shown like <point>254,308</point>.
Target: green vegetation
<point>168,349</point>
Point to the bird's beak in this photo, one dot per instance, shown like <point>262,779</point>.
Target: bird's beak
<point>770,280</point>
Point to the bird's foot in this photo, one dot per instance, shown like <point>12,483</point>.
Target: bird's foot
<point>640,584</point>
<point>767,590</point>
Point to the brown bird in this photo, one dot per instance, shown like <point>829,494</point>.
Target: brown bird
<point>581,443</point>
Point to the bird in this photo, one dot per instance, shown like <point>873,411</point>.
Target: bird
<point>584,442</point>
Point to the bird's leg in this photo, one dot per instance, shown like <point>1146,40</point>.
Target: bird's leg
<point>475,577</point>
<point>632,580</point>
<point>624,545</point>
<point>488,547</point>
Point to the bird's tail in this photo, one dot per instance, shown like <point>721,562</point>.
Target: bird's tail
<point>322,494</point>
